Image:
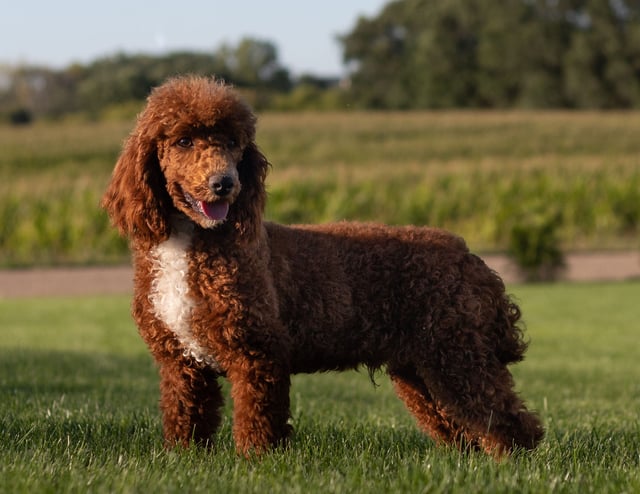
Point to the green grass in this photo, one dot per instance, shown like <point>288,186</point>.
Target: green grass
<point>78,411</point>
<point>475,173</point>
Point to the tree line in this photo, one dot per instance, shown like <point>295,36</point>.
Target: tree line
<point>123,78</point>
<point>415,54</point>
<point>498,53</point>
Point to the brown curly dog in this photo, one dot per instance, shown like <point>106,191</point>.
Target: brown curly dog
<point>221,292</point>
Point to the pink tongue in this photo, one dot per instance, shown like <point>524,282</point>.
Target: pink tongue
<point>215,210</point>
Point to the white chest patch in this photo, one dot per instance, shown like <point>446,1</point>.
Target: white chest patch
<point>170,297</point>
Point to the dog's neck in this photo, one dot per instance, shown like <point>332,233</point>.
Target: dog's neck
<point>181,225</point>
<point>228,236</point>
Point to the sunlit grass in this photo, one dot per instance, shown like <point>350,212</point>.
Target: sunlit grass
<point>78,411</point>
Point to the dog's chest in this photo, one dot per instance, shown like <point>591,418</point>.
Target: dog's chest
<point>170,298</point>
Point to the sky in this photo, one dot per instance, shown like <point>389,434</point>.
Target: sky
<point>58,33</point>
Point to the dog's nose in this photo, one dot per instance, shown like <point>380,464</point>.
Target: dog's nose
<point>221,185</point>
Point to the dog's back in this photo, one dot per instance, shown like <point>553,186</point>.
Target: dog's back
<point>350,292</point>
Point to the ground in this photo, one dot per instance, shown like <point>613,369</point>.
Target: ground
<point>600,266</point>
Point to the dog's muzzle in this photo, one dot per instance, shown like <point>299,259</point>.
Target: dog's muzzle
<point>221,185</point>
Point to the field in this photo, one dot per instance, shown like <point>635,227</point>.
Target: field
<point>78,412</point>
<point>478,174</point>
<point>78,391</point>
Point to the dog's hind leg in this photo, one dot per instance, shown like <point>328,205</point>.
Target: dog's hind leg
<point>431,417</point>
<point>480,397</point>
<point>190,399</point>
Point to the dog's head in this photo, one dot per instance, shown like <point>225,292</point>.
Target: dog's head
<point>192,153</point>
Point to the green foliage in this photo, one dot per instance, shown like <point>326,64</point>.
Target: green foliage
<point>492,53</point>
<point>64,226</point>
<point>52,178</point>
<point>78,411</point>
<point>415,54</point>
<point>121,78</point>
<point>534,244</point>
<point>601,63</point>
<point>476,174</point>
<point>624,200</point>
<point>308,97</point>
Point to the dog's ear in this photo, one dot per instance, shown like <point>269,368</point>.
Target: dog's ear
<point>251,202</point>
<point>136,199</point>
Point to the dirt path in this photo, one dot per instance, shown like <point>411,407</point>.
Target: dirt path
<point>65,282</point>
<point>602,266</point>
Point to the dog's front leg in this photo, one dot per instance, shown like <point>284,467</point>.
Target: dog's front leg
<point>260,392</point>
<point>190,399</point>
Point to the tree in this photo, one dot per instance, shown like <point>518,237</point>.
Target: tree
<point>425,54</point>
<point>445,55</point>
<point>495,53</point>
<point>602,63</point>
<point>377,50</point>
<point>124,78</point>
<point>520,54</point>
<point>37,91</point>
<point>253,63</point>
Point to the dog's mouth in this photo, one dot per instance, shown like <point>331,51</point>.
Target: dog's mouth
<point>216,211</point>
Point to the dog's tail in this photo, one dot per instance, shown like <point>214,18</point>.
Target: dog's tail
<point>507,328</point>
<point>511,342</point>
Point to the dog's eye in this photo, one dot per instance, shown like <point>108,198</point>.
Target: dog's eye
<point>185,142</point>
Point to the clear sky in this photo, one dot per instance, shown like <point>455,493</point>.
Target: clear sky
<point>56,33</point>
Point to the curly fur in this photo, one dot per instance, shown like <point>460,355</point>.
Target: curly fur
<point>220,292</point>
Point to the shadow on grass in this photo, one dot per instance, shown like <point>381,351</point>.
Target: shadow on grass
<point>51,396</point>
<point>51,401</point>
<point>50,373</point>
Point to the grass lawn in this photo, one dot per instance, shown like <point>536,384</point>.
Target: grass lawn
<point>78,411</point>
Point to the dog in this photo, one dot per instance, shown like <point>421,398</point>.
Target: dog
<point>220,292</point>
